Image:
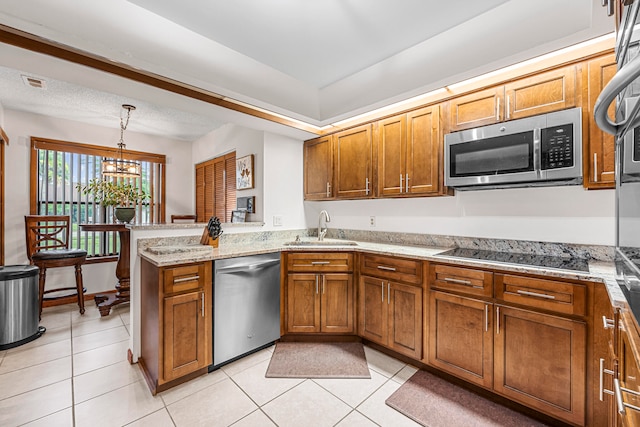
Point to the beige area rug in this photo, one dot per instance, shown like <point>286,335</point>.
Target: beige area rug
<point>318,360</point>
<point>434,402</point>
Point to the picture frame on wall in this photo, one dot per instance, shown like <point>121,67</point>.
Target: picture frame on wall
<point>238,216</point>
<point>244,172</point>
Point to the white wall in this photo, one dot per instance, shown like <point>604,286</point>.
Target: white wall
<point>551,214</point>
<point>277,169</point>
<point>20,126</point>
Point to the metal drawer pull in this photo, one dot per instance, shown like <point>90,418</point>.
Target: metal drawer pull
<point>602,372</point>
<point>535,294</point>
<point>462,282</point>
<point>382,267</point>
<point>320,262</point>
<point>486,318</point>
<point>202,298</point>
<point>622,405</point>
<point>186,279</point>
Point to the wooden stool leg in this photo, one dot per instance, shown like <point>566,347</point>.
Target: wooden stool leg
<point>79,287</point>
<point>41,278</point>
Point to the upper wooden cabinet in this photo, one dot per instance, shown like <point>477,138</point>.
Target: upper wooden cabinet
<point>409,153</point>
<point>599,147</point>
<point>542,93</point>
<point>353,150</point>
<point>318,169</point>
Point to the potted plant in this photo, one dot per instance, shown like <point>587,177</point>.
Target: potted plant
<point>123,196</point>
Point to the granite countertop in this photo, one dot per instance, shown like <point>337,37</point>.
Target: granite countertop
<point>164,255</point>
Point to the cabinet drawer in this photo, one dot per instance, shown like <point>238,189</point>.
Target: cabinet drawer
<point>318,261</point>
<point>562,297</point>
<point>467,280</point>
<point>184,278</point>
<point>399,269</point>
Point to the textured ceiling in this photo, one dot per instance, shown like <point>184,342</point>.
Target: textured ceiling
<point>315,61</point>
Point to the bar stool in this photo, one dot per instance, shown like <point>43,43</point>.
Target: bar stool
<point>48,238</point>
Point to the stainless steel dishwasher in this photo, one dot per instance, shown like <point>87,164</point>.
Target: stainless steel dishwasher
<point>246,305</point>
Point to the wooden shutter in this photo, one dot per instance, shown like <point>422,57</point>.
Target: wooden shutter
<point>216,188</point>
<point>200,188</point>
<point>230,197</point>
<point>219,204</point>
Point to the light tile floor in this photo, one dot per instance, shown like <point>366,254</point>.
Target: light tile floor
<point>77,374</point>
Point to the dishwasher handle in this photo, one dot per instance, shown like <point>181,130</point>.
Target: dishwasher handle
<point>240,268</point>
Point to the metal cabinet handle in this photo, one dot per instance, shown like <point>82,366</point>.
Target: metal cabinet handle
<point>595,167</point>
<point>316,284</point>
<point>328,189</point>
<point>202,306</point>
<point>382,267</point>
<point>622,405</point>
<point>366,188</point>
<point>388,293</point>
<point>535,294</point>
<point>186,279</point>
<point>382,290</point>
<point>462,282</point>
<point>320,262</point>
<point>498,109</point>
<point>508,107</point>
<point>401,178</point>
<point>601,374</point>
<point>406,183</point>
<point>486,317</point>
<point>323,280</point>
<point>497,320</point>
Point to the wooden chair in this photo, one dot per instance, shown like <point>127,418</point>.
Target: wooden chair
<point>48,238</point>
<point>175,218</point>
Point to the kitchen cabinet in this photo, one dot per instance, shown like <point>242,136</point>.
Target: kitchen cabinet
<point>461,337</point>
<point>628,372</point>
<point>599,147</point>
<point>409,155</point>
<point>390,312</point>
<point>216,188</point>
<point>175,323</point>
<point>320,293</point>
<point>554,348</point>
<point>318,169</point>
<point>353,152</point>
<point>541,93</point>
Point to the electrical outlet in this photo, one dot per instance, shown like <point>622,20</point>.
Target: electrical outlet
<point>372,221</point>
<point>277,220</point>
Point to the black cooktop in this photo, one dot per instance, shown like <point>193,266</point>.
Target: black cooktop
<point>563,263</point>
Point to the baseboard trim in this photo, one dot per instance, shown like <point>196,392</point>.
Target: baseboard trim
<point>73,298</point>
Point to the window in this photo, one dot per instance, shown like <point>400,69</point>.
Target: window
<point>57,166</point>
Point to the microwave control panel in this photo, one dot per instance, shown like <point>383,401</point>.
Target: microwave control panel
<point>557,147</point>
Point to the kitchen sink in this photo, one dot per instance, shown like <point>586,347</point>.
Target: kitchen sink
<point>326,242</point>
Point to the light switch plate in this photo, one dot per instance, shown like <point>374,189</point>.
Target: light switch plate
<point>277,220</point>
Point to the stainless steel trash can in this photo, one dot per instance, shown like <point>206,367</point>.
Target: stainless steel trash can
<point>19,309</point>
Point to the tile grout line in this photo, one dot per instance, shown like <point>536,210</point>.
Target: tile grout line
<point>73,395</point>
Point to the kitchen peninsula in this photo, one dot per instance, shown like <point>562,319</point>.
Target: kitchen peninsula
<point>505,293</point>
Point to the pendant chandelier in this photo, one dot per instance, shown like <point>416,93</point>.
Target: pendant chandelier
<point>120,167</point>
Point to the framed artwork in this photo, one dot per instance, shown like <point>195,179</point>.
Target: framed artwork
<point>244,172</point>
<point>238,216</point>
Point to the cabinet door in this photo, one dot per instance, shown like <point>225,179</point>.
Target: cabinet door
<point>461,337</point>
<point>629,373</point>
<point>200,188</point>
<point>476,109</point>
<point>545,92</point>
<point>185,337</point>
<point>422,174</point>
<point>405,319</point>
<point>318,169</point>
<point>392,138</point>
<point>539,360</point>
<point>599,156</point>
<point>354,158</point>
<point>336,307</point>
<point>303,303</point>
<point>374,310</point>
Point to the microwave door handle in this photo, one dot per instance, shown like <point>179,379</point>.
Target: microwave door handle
<point>537,152</point>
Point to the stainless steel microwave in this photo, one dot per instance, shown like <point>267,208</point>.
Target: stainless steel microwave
<point>536,151</point>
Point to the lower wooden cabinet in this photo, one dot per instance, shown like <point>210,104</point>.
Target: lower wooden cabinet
<point>540,361</point>
<point>461,331</point>
<point>175,322</point>
<point>391,315</point>
<point>320,303</point>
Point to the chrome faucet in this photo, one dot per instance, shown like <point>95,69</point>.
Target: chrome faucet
<point>327,218</point>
